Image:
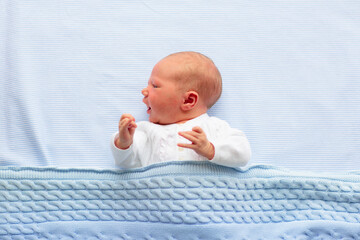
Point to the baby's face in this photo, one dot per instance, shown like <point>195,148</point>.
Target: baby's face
<point>163,96</point>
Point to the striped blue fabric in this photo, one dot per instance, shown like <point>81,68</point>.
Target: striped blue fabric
<point>69,69</point>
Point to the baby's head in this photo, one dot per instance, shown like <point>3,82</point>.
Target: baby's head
<point>197,72</point>
<point>182,86</point>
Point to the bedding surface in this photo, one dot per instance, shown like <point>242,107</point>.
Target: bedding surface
<point>178,200</point>
<point>70,69</point>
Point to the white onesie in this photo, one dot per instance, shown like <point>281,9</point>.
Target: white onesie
<point>154,143</point>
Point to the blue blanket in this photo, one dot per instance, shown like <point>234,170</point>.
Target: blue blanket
<point>178,200</point>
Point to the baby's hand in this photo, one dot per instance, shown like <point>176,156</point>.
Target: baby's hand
<point>199,142</point>
<point>127,127</point>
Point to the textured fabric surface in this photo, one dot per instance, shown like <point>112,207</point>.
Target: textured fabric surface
<point>178,200</point>
<point>69,69</point>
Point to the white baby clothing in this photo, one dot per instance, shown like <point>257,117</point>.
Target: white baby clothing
<point>154,143</point>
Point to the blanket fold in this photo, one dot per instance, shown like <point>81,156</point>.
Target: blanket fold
<point>178,200</point>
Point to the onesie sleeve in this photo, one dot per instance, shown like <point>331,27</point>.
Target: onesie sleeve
<point>124,158</point>
<point>232,149</point>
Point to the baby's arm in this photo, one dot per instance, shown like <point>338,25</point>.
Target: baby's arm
<point>127,128</point>
<point>229,147</point>
<point>199,142</point>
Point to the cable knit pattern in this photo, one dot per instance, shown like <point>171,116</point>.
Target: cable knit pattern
<point>36,202</point>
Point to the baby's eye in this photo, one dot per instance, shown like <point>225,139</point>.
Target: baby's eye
<point>155,86</point>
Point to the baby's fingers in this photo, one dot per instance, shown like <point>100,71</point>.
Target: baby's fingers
<point>132,124</point>
<point>127,124</point>
<point>186,145</point>
<point>191,136</point>
<point>197,129</point>
<point>127,116</point>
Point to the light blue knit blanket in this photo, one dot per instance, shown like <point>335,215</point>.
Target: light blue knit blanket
<point>178,200</point>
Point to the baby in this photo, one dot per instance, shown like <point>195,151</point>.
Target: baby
<point>181,89</point>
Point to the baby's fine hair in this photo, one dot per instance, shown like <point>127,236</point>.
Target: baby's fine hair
<point>200,74</point>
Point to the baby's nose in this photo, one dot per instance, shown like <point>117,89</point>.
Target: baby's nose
<point>145,92</point>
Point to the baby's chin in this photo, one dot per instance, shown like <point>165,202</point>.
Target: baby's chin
<point>159,121</point>
<point>152,120</point>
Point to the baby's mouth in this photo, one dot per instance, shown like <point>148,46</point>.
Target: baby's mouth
<point>148,110</point>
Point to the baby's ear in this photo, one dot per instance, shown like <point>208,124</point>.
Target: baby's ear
<point>191,98</point>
